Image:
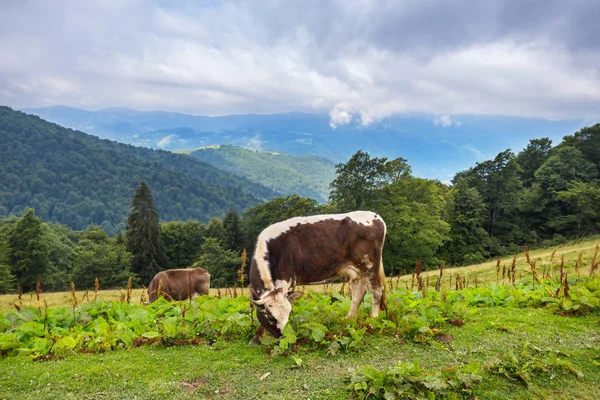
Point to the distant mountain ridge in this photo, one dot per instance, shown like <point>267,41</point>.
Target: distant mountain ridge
<point>435,146</point>
<point>73,178</point>
<point>305,175</point>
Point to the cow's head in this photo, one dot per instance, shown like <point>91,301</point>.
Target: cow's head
<point>273,307</point>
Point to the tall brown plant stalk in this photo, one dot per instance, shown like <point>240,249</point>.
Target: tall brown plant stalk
<point>513,269</point>
<point>418,270</point>
<point>497,271</point>
<point>96,287</point>
<point>73,295</point>
<point>129,290</point>
<point>38,290</point>
<point>438,284</point>
<point>242,271</point>
<point>19,298</point>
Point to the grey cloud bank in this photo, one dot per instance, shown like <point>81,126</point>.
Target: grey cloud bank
<point>357,60</point>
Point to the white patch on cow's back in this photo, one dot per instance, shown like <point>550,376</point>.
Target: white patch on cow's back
<point>273,231</point>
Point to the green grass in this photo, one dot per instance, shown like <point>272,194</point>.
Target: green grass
<point>227,368</point>
<point>232,370</point>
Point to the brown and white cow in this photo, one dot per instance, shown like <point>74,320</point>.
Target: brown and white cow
<point>316,249</point>
<point>179,284</point>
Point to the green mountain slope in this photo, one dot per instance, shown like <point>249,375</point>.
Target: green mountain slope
<point>307,175</point>
<point>76,179</point>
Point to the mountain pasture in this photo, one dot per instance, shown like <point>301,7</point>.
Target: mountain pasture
<point>489,339</point>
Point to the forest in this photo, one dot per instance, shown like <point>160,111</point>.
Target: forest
<point>544,195</point>
<point>78,180</point>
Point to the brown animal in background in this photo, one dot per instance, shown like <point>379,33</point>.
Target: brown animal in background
<point>317,249</point>
<point>179,284</point>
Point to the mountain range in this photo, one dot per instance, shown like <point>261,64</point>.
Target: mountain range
<point>77,179</point>
<point>305,175</point>
<point>436,147</point>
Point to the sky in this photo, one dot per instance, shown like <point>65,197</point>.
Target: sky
<point>358,60</point>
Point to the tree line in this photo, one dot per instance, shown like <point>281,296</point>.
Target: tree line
<point>544,195</point>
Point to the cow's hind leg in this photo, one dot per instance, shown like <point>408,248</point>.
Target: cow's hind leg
<point>358,287</point>
<point>377,289</point>
<point>377,293</point>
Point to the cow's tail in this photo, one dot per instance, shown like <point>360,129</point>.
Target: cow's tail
<point>382,282</point>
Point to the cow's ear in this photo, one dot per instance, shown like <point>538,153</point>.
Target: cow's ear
<point>293,296</point>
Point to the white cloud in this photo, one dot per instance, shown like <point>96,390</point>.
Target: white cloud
<point>446,121</point>
<point>167,140</point>
<point>373,60</point>
<point>339,116</point>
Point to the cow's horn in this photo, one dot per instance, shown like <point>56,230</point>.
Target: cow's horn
<point>259,302</point>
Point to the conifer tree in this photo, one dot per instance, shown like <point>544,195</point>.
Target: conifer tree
<point>143,234</point>
<point>7,279</point>
<point>28,257</point>
<point>235,238</point>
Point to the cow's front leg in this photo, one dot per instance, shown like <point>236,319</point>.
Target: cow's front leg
<point>358,288</point>
<point>256,339</point>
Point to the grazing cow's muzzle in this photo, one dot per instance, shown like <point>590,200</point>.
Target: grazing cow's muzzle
<point>268,321</point>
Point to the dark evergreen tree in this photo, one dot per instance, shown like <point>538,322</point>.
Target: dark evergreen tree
<point>7,279</point>
<point>28,257</point>
<point>144,238</point>
<point>235,237</point>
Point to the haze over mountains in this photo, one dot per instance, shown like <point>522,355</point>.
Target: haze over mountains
<point>436,147</point>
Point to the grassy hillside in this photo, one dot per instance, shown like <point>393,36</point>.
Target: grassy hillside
<point>76,179</point>
<point>490,339</point>
<point>308,176</point>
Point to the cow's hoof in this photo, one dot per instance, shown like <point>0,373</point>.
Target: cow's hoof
<point>253,343</point>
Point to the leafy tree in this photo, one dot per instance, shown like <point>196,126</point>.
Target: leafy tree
<point>98,256</point>
<point>553,207</point>
<point>587,141</point>
<point>222,264</point>
<point>357,180</point>
<point>144,238</point>
<point>413,209</point>
<point>531,158</point>
<point>468,240</point>
<point>583,199</point>
<point>259,217</point>
<point>235,237</point>
<point>28,257</point>
<point>61,241</point>
<point>566,164</point>
<point>498,183</point>
<point>215,229</point>
<point>182,242</point>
